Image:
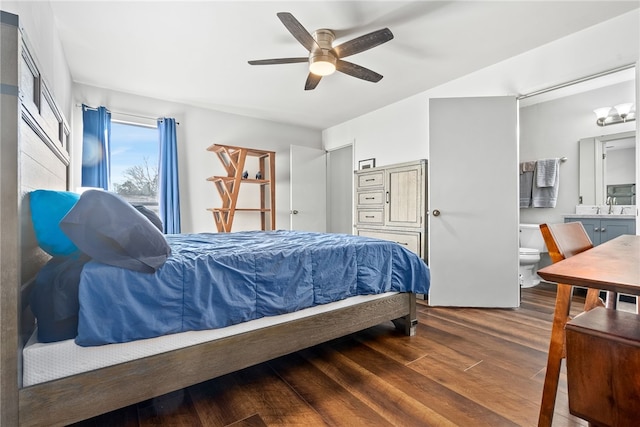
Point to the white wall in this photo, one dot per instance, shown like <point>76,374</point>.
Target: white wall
<point>394,134</point>
<point>199,128</point>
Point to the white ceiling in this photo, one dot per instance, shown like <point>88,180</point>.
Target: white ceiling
<point>196,52</point>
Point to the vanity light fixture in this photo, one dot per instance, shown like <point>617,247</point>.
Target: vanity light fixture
<point>621,113</point>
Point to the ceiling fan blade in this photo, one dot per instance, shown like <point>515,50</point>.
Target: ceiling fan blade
<point>278,61</point>
<point>298,31</point>
<point>312,81</point>
<point>357,71</point>
<point>362,43</point>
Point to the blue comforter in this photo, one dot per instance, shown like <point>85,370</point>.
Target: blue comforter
<point>217,280</point>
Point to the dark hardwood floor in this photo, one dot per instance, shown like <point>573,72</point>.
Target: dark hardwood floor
<point>465,367</point>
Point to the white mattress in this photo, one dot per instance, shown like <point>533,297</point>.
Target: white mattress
<point>46,362</point>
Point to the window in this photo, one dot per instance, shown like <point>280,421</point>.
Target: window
<point>134,163</point>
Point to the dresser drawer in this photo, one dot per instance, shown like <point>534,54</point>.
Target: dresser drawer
<point>373,179</point>
<point>371,198</point>
<point>410,241</point>
<point>370,216</point>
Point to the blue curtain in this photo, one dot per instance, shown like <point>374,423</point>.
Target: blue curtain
<point>169,194</point>
<point>96,154</point>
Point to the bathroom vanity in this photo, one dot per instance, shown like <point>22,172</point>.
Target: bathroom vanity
<point>604,227</point>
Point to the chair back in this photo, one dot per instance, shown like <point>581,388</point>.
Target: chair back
<point>565,240</point>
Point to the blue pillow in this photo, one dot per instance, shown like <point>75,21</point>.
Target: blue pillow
<point>47,209</point>
<point>108,229</point>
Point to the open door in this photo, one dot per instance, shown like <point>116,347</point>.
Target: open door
<point>308,189</point>
<point>340,190</point>
<point>473,200</point>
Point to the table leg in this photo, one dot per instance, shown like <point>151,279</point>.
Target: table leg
<point>556,353</point>
<point>612,300</point>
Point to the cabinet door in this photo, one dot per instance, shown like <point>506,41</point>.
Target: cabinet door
<point>612,228</point>
<point>404,196</point>
<point>591,226</point>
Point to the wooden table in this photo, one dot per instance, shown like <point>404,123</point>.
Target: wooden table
<point>611,266</point>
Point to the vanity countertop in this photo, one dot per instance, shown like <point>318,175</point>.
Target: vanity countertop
<point>601,216</point>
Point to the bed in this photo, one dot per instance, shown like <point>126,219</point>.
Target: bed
<point>113,367</point>
<point>33,155</point>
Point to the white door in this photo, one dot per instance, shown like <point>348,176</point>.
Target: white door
<point>308,169</point>
<point>473,202</point>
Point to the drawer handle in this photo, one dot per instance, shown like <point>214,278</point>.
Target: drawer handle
<point>369,216</point>
<point>369,179</point>
<point>403,243</point>
<point>369,198</point>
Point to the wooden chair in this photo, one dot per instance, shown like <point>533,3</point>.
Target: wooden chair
<point>563,241</point>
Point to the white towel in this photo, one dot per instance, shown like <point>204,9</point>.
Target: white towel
<point>546,172</point>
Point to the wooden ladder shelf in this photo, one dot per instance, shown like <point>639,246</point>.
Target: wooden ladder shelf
<point>233,159</point>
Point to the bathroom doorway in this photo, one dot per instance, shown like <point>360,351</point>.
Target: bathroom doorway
<point>553,122</point>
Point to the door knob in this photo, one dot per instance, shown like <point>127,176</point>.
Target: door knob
<point>295,212</point>
<point>436,212</point>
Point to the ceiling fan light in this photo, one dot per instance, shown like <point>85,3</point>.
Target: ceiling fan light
<point>322,64</point>
<point>322,68</point>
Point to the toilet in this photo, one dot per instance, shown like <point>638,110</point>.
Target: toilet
<point>531,246</point>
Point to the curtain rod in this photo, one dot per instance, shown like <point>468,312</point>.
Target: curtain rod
<point>576,81</point>
<point>125,114</point>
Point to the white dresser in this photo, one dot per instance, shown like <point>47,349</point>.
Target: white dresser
<point>391,204</point>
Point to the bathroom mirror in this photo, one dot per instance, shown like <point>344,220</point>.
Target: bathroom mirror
<point>607,169</point>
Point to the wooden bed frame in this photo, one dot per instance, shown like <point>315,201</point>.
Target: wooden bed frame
<point>33,155</point>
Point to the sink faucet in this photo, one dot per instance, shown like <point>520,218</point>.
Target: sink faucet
<point>622,210</point>
<point>597,210</point>
<point>610,202</point>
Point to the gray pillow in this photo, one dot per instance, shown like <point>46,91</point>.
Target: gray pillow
<point>111,231</point>
<point>150,215</point>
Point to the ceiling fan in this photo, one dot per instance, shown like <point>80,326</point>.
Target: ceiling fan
<point>323,58</point>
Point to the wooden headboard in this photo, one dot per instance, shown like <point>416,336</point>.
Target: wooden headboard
<point>41,166</point>
<point>33,155</point>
